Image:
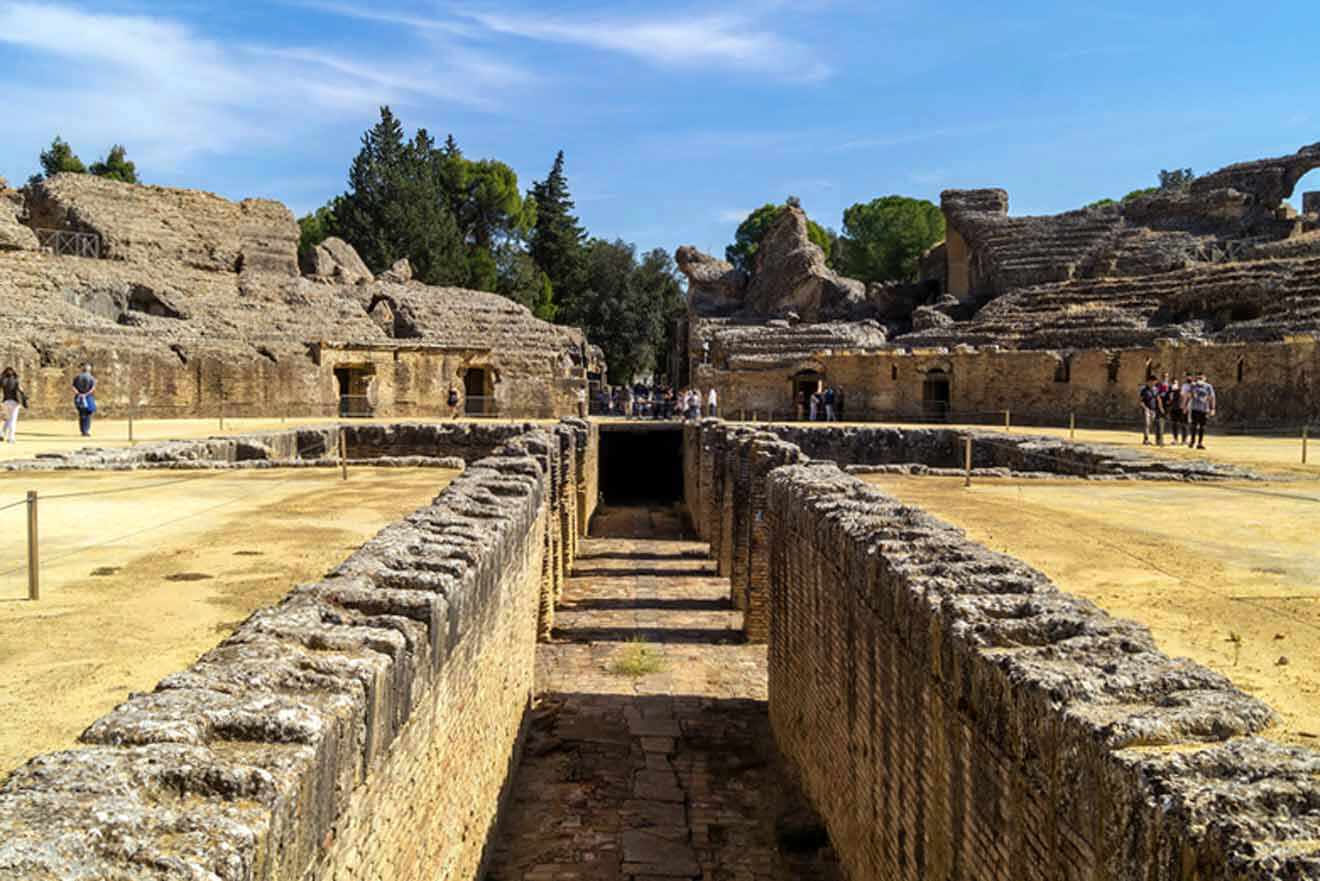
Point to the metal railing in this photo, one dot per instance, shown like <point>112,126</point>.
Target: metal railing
<point>65,243</point>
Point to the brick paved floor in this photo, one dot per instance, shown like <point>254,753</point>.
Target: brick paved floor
<point>671,774</point>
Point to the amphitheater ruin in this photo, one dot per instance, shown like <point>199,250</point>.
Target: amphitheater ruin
<point>1041,316</point>
<point>716,649</point>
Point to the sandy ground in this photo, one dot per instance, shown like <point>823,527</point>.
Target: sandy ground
<point>182,561</point>
<point>1272,454</point>
<point>1266,454</point>
<point>61,436</point>
<point>1226,574</point>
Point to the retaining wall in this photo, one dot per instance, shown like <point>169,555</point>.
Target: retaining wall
<point>953,714</point>
<point>367,727</point>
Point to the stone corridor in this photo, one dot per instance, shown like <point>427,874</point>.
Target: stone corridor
<point>663,775</point>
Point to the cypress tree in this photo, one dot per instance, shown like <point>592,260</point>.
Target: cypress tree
<point>397,206</point>
<point>557,240</point>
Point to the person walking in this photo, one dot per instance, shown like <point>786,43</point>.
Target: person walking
<point>829,404</point>
<point>453,402</point>
<point>712,404</point>
<point>1152,409</point>
<point>13,399</point>
<point>815,406</point>
<point>84,399</point>
<point>1201,408</point>
<point>1173,410</point>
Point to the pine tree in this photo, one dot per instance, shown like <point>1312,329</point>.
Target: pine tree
<point>557,239</point>
<point>397,206</point>
<point>116,166</point>
<point>59,158</point>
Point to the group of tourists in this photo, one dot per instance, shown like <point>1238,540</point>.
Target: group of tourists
<point>641,401</point>
<point>823,405</point>
<point>1185,405</point>
<point>13,399</point>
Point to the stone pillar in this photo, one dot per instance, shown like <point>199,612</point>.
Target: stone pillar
<point>1311,202</point>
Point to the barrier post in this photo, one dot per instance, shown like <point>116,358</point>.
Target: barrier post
<point>967,459</point>
<point>34,568</point>
<point>1072,426</point>
<point>1008,421</point>
<point>1306,432</point>
<point>131,442</point>
<point>343,457</point>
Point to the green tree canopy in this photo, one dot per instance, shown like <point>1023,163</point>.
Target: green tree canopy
<point>557,238</point>
<point>742,253</point>
<point>1170,181</point>
<point>396,206</point>
<point>521,280</point>
<point>59,158</point>
<point>116,166</point>
<point>315,228</point>
<point>1177,179</point>
<point>624,306</point>
<point>883,239</point>
<point>658,277</point>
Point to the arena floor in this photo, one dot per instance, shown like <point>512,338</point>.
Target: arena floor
<point>156,568</point>
<point>38,436</point>
<point>1228,575</point>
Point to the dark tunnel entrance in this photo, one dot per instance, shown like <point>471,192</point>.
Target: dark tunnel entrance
<point>640,465</point>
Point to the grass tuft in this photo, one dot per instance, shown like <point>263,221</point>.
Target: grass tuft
<point>638,659</point>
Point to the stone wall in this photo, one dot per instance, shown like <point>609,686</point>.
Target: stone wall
<point>1268,382</point>
<point>366,727</point>
<point>198,380</point>
<point>953,714</point>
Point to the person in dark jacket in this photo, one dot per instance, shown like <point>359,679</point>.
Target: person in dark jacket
<point>84,399</point>
<point>12,399</point>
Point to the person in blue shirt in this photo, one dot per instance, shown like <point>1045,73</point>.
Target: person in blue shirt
<point>84,399</point>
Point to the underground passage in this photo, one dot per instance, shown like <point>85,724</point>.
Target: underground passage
<point>641,465</point>
<point>766,669</point>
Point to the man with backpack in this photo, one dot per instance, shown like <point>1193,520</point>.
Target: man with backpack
<point>84,399</point>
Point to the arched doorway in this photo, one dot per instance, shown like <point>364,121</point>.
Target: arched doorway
<point>478,399</point>
<point>805,384</point>
<point>353,383</point>
<point>935,397</point>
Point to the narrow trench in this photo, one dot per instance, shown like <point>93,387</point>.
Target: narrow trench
<point>652,770</point>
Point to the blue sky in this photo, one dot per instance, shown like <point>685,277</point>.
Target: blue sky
<point>676,118</point>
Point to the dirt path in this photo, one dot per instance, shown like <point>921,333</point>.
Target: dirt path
<point>1228,575</point>
<point>663,774</point>
<point>181,562</point>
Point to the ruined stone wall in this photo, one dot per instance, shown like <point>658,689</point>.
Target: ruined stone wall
<point>198,381</point>
<point>1280,382</point>
<point>366,727</point>
<point>954,715</point>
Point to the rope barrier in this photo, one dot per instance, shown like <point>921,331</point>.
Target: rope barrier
<point>100,544</point>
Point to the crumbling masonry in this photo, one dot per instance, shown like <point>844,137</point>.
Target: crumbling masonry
<point>1041,316</point>
<point>950,712</point>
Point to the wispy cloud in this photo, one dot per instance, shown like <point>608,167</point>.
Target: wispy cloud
<point>174,93</point>
<point>734,42</point>
<point>734,215</point>
<point>385,16</point>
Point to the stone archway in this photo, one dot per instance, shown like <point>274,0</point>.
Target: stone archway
<point>936,395</point>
